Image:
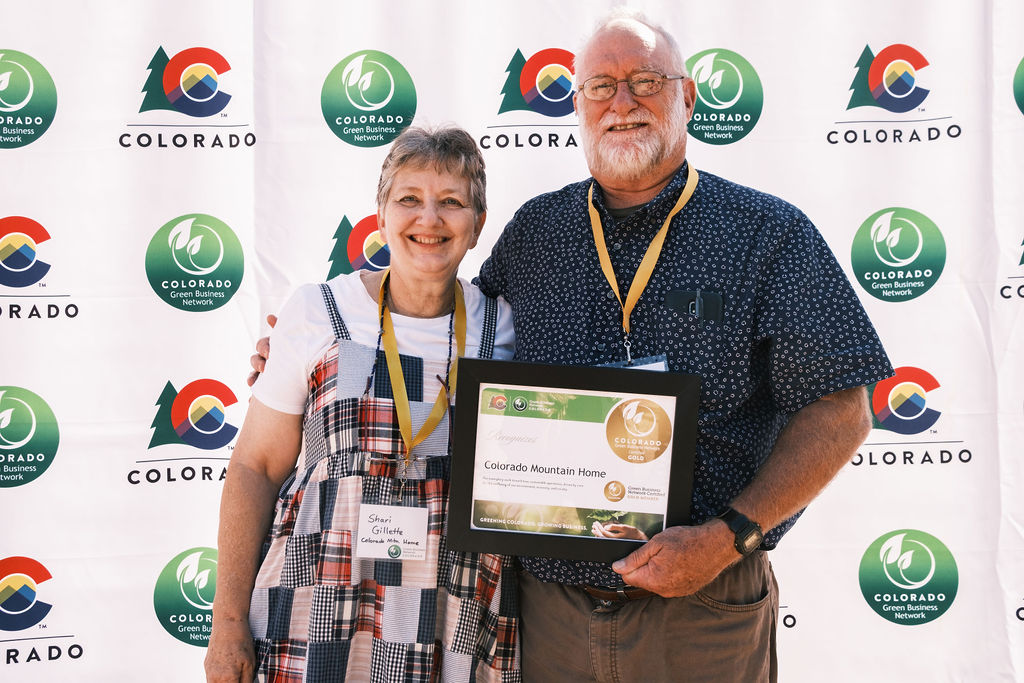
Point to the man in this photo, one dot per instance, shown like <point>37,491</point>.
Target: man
<point>745,294</point>
<point>740,289</point>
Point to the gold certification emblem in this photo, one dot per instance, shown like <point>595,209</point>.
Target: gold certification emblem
<point>638,430</point>
<point>614,491</point>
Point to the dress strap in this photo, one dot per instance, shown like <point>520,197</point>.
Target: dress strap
<point>489,326</point>
<point>337,324</point>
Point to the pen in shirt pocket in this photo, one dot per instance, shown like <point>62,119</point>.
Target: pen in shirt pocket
<point>698,304</point>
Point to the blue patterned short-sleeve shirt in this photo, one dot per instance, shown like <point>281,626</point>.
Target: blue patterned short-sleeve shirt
<point>791,328</point>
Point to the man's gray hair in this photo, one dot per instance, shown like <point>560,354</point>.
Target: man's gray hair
<point>446,148</point>
<point>623,15</point>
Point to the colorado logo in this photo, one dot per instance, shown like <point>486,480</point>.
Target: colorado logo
<point>20,607</point>
<point>188,82</point>
<point>542,83</point>
<point>19,241</point>
<point>889,79</point>
<point>195,416</point>
<point>900,404</point>
<point>358,248</point>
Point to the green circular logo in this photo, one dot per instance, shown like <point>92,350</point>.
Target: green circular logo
<point>729,96</point>
<point>195,262</point>
<point>394,552</point>
<point>898,254</point>
<point>28,436</point>
<point>183,598</point>
<point>908,577</point>
<point>1018,86</point>
<point>28,99</point>
<point>368,99</point>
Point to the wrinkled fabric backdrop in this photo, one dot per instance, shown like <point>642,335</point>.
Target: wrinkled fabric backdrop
<point>170,172</point>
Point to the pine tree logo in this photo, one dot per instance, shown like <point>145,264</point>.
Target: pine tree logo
<point>511,96</point>
<point>338,259</point>
<point>542,83</point>
<point>861,92</point>
<point>195,416</point>
<point>888,79</point>
<point>155,98</point>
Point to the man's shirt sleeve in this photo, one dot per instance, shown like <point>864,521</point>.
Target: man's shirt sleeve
<point>818,335</point>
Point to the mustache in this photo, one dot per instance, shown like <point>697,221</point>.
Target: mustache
<point>608,121</point>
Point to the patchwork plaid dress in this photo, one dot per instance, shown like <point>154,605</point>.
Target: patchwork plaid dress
<point>318,612</point>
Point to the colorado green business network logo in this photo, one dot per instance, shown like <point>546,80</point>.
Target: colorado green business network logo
<point>729,96</point>
<point>28,99</point>
<point>1018,86</point>
<point>908,577</point>
<point>898,254</point>
<point>28,436</point>
<point>195,263</point>
<point>183,598</point>
<point>368,99</point>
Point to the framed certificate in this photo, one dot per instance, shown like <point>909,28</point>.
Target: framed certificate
<point>574,462</point>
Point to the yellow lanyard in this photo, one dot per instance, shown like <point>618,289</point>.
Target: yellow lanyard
<point>401,396</point>
<point>646,269</point>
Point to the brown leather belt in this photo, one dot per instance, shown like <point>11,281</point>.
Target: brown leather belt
<point>624,594</point>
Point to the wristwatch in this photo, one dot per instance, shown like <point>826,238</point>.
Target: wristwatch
<point>748,533</point>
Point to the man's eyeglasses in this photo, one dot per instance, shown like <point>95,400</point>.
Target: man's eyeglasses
<point>641,84</point>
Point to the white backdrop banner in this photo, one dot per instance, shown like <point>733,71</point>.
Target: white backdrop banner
<point>171,172</point>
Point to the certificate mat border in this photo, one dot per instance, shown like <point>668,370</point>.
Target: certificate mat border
<point>473,372</point>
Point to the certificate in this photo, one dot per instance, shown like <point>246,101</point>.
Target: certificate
<point>574,462</point>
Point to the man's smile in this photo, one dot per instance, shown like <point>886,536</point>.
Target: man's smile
<point>626,126</point>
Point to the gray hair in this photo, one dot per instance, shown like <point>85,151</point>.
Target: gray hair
<point>622,16</point>
<point>447,148</point>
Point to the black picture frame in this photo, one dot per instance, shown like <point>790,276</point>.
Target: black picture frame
<point>462,535</point>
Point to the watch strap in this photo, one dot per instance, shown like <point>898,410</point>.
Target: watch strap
<point>743,528</point>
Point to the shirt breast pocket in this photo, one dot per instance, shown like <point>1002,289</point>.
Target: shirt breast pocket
<point>700,306</point>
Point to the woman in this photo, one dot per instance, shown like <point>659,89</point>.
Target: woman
<point>358,363</point>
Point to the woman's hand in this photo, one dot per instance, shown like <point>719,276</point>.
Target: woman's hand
<point>230,657</point>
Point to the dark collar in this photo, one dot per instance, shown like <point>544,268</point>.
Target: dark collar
<point>657,207</point>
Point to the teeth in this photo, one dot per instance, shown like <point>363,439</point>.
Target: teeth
<point>627,126</point>
<point>428,240</point>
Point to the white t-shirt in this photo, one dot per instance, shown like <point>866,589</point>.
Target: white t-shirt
<point>303,333</point>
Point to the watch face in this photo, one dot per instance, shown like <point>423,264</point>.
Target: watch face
<point>749,542</point>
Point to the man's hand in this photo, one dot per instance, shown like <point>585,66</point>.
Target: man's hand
<point>680,560</point>
<point>258,360</point>
<point>230,657</point>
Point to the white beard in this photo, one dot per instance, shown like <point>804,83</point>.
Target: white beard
<point>618,162</point>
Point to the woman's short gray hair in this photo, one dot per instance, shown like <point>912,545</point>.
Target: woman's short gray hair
<point>447,148</point>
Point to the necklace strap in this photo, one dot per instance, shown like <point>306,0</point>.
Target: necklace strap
<point>650,260</point>
<point>401,397</point>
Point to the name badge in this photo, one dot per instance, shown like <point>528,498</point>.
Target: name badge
<point>657,363</point>
<point>392,533</point>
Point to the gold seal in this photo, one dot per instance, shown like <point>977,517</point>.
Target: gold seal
<point>614,491</point>
<point>638,430</point>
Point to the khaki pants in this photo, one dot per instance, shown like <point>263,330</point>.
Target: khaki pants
<point>724,633</point>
